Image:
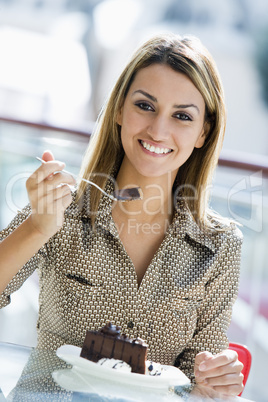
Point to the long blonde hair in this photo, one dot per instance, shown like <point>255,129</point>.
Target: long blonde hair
<point>186,55</point>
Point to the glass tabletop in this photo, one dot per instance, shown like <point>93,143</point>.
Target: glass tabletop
<point>28,374</point>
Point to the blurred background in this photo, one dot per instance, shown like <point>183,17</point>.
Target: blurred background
<point>58,62</point>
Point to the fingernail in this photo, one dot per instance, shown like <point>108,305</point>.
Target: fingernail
<point>202,366</point>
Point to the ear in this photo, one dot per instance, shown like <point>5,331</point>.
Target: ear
<point>203,135</point>
<point>119,117</point>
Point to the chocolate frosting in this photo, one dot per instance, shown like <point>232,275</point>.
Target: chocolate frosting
<point>110,329</point>
<point>139,341</point>
<point>114,331</point>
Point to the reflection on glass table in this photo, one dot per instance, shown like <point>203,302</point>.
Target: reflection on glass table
<point>28,374</point>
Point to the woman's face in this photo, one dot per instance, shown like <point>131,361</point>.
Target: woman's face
<point>162,121</point>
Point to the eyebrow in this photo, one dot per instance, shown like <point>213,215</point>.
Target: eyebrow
<point>152,98</point>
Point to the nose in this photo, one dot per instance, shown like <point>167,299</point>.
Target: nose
<point>159,128</point>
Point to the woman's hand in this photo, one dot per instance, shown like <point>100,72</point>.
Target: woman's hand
<point>221,372</point>
<point>49,194</point>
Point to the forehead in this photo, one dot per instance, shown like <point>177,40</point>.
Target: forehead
<point>162,80</point>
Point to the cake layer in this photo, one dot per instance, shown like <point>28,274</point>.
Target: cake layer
<point>110,344</point>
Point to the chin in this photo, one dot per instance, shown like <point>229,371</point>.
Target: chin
<point>152,173</point>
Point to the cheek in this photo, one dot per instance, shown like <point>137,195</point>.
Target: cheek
<point>131,125</point>
<point>187,137</point>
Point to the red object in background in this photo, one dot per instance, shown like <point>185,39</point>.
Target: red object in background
<point>244,356</point>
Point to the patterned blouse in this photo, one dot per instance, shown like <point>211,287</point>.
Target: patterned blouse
<point>182,306</point>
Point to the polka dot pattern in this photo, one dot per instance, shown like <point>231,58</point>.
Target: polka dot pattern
<point>182,306</point>
<point>36,380</point>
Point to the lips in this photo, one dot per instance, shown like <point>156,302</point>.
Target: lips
<point>154,149</point>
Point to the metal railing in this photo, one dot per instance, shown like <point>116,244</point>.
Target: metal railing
<point>230,159</point>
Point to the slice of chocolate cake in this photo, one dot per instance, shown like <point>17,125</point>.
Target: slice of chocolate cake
<point>109,343</point>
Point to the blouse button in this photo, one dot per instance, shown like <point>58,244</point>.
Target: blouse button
<point>130,324</point>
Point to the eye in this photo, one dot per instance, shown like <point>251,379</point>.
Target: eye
<point>183,116</point>
<point>144,106</point>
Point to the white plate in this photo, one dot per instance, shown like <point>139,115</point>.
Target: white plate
<point>86,376</point>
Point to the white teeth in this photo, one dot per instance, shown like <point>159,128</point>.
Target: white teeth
<point>154,149</point>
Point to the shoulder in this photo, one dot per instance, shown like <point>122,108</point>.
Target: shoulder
<point>226,237</point>
<point>222,227</point>
<point>215,233</point>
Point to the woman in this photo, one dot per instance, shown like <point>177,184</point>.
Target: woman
<point>164,268</point>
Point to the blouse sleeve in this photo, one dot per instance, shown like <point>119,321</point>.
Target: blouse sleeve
<point>215,312</point>
<point>35,262</point>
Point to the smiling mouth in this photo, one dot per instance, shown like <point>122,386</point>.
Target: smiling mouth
<point>155,150</point>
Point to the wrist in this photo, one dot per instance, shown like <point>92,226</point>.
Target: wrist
<point>35,231</point>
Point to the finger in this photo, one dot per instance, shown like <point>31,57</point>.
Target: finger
<point>231,368</point>
<point>54,202</point>
<point>200,358</point>
<point>57,179</point>
<point>221,359</point>
<point>66,200</point>
<point>227,379</point>
<point>61,192</point>
<point>47,169</point>
<point>53,215</point>
<point>43,172</point>
<point>61,204</point>
<point>48,156</point>
<point>48,194</point>
<point>233,390</point>
<point>220,376</point>
<point>63,201</point>
<point>44,194</point>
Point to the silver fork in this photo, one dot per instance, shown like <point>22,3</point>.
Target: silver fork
<point>127,194</point>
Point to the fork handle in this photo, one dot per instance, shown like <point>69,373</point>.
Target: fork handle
<point>92,183</point>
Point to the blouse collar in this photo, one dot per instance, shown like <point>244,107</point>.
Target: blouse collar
<point>183,222</point>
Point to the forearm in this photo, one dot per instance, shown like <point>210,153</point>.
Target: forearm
<point>17,249</point>
<point>214,316</point>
